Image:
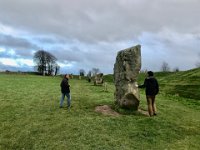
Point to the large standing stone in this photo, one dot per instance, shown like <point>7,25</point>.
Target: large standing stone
<point>126,70</point>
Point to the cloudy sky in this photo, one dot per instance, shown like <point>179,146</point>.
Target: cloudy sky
<point>86,34</point>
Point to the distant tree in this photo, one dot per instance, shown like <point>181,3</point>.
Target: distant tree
<point>82,72</point>
<point>198,63</point>
<point>89,76</point>
<point>89,73</point>
<point>95,71</point>
<point>143,71</point>
<point>57,68</point>
<point>165,67</point>
<point>176,69</point>
<point>45,62</point>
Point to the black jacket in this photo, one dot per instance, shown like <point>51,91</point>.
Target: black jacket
<point>65,86</point>
<point>151,85</point>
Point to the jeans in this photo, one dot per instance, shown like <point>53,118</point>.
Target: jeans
<point>68,99</point>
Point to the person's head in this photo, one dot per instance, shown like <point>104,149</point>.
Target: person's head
<point>66,76</point>
<point>150,74</point>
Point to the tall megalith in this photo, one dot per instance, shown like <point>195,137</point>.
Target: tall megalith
<point>126,70</point>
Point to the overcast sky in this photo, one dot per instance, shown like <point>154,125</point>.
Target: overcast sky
<point>86,34</point>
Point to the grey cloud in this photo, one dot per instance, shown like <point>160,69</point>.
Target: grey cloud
<point>96,56</point>
<point>177,49</point>
<point>70,55</point>
<point>50,40</point>
<point>104,20</point>
<point>11,68</point>
<point>100,53</point>
<point>90,32</point>
<point>6,54</point>
<point>21,46</point>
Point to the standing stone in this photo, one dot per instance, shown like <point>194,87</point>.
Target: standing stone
<point>98,79</point>
<point>126,70</point>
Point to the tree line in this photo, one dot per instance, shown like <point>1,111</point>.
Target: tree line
<point>46,65</point>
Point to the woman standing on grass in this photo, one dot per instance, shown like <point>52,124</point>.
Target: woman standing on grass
<point>152,89</point>
<point>65,90</point>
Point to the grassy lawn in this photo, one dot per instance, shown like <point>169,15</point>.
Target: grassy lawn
<point>30,118</point>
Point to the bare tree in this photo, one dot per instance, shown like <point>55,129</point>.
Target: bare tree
<point>95,71</point>
<point>45,62</point>
<point>89,76</point>
<point>40,60</point>
<point>198,63</point>
<point>165,67</point>
<point>57,68</point>
<point>176,69</point>
<point>82,72</point>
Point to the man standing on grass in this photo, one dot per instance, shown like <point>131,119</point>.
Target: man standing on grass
<point>65,90</point>
<point>152,89</point>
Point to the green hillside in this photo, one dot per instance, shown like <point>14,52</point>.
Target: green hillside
<point>184,83</point>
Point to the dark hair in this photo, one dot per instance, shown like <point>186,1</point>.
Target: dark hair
<point>150,73</point>
<point>65,76</point>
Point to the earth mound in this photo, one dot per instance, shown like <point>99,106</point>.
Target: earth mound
<point>106,110</point>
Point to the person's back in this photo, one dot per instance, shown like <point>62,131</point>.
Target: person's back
<point>151,85</point>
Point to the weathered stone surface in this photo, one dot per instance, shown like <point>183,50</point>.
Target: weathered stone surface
<point>98,79</point>
<point>126,70</point>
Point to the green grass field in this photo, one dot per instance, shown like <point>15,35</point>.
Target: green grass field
<point>30,118</point>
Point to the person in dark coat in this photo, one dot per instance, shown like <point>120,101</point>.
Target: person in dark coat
<point>151,89</point>
<point>65,90</point>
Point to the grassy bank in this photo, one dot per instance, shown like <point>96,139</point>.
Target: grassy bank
<point>183,83</point>
<point>30,118</point>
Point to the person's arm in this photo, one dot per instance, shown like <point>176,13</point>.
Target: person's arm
<point>143,85</point>
<point>157,87</point>
<point>61,83</point>
<point>67,84</point>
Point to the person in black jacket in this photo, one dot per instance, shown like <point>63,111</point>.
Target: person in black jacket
<point>65,90</point>
<point>151,88</point>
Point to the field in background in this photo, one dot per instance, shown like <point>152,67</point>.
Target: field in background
<point>30,117</point>
<point>183,83</point>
